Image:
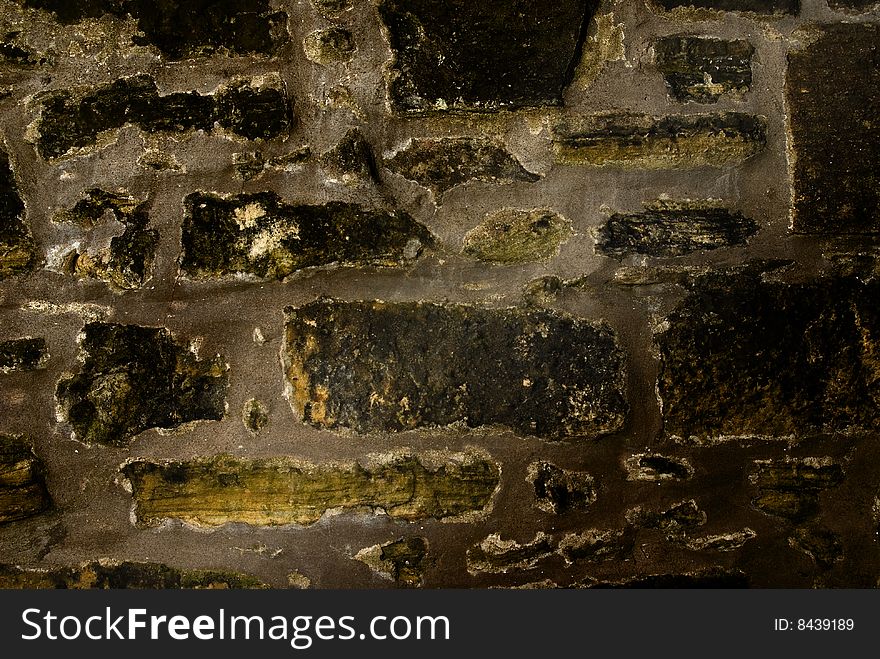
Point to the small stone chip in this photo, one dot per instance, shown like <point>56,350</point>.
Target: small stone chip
<point>134,378</point>
<point>403,561</point>
<point>17,251</point>
<point>429,377</point>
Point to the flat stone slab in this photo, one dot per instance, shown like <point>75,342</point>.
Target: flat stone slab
<point>387,367</point>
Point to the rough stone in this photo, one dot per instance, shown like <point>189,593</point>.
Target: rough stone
<point>255,415</point>
<point>351,159</point>
<point>751,6</point>
<point>444,163</point>
<point>259,234</point>
<point>402,561</point>
<point>74,119</point>
<point>277,491</point>
<point>540,372</point>
<point>25,354</point>
<point>674,521</point>
<point>712,578</point>
<point>631,140</point>
<point>595,546</point>
<point>857,5</point>
<point>23,490</point>
<point>673,229</point>
<point>744,356</point>
<point>182,29</point>
<point>833,96</point>
<point>126,263</point>
<point>333,7</point>
<point>560,490</point>
<point>720,541</point>
<point>250,164</point>
<point>790,488</point>
<point>134,378</point>
<point>654,467</point>
<point>329,46</point>
<point>12,51</point>
<point>17,251</point>
<point>109,574</point>
<point>701,69</point>
<point>823,546</point>
<point>517,236</point>
<point>456,55</point>
<point>495,555</point>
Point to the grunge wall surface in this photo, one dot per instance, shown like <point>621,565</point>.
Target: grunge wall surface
<point>439,293</point>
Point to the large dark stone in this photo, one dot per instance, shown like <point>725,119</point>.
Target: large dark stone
<point>702,69</point>
<point>261,235</point>
<point>464,55</point>
<point>71,120</point>
<point>22,354</point>
<point>22,483</point>
<point>187,28</point>
<point>833,95</point>
<point>17,251</point>
<point>743,356</point>
<point>673,230</point>
<point>380,367</point>
<point>134,378</point>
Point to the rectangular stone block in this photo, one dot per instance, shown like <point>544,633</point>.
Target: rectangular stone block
<point>701,69</point>
<point>386,367</point>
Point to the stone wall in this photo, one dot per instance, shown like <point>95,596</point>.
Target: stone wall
<point>439,293</point>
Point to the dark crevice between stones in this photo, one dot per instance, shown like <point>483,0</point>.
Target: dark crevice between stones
<point>701,69</point>
<point>134,378</point>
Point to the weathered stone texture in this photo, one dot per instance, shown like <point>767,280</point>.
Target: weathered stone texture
<point>134,378</point>
<point>277,491</point>
<point>255,415</point>
<point>329,46</point>
<point>494,554</point>
<point>373,367</point>
<point>403,561</point>
<point>442,164</point>
<point>351,159</point>
<point>22,354</point>
<point>259,234</point>
<point>23,490</point>
<point>595,546</point>
<point>17,251</point>
<point>790,488</point>
<point>753,6</point>
<point>560,490</point>
<point>669,229</point>
<point>654,467</point>
<point>460,55</point>
<point>701,69</point>
<point>638,140</point>
<point>75,119</point>
<point>517,236</point>
<point>182,29</point>
<point>107,574</point>
<point>833,96</point>
<point>743,356</point>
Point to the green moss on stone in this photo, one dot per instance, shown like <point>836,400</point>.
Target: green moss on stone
<point>23,490</point>
<point>278,491</point>
<point>517,236</point>
<point>259,234</point>
<point>133,378</point>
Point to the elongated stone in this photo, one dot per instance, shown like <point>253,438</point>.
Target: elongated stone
<point>673,230</point>
<point>107,574</point>
<point>444,163</point>
<point>743,356</point>
<point>22,354</point>
<point>17,251</point>
<point>752,6</point>
<point>623,139</point>
<point>833,95</point>
<point>701,69</point>
<point>277,491</point>
<point>517,236</point>
<point>23,490</point>
<point>539,372</point>
<point>261,235</point>
<point>496,555</point>
<point>133,378</point>
<point>454,55</point>
<point>187,28</point>
<point>403,561</point>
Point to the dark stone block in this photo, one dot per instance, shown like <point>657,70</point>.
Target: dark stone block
<point>702,69</point>
<point>442,164</point>
<point>713,578</point>
<point>134,378</point>
<point>23,490</point>
<point>833,96</point>
<point>753,6</point>
<point>261,235</point>
<point>351,159</point>
<point>743,356</point>
<point>537,372</point>
<point>559,490</point>
<point>463,55</point>
<point>17,251</point>
<point>673,230</point>
<point>22,354</point>
<point>790,488</point>
<point>187,28</point>
<point>495,555</point>
<point>70,121</point>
